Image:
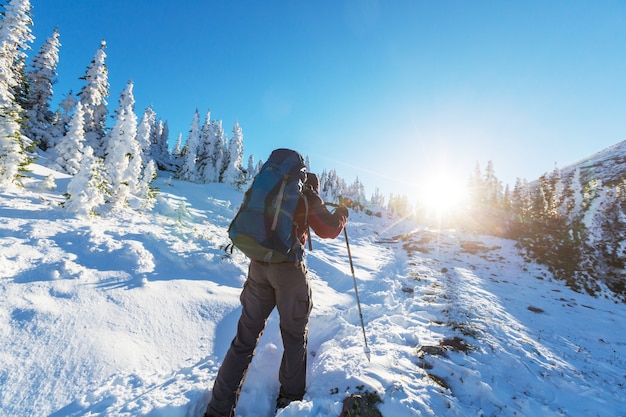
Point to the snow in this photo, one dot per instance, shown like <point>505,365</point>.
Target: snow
<point>130,314</point>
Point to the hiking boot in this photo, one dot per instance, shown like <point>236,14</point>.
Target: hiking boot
<point>282,402</point>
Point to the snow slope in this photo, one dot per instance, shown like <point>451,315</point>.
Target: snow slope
<point>608,165</point>
<point>131,314</point>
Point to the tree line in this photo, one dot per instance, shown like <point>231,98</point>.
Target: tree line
<point>573,223</point>
<point>111,166</point>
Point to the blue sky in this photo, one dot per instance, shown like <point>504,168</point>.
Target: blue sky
<point>398,93</point>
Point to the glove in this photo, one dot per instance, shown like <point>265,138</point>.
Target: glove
<point>313,182</point>
<point>342,211</point>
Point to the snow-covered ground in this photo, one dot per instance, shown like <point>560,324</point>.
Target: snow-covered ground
<point>131,315</point>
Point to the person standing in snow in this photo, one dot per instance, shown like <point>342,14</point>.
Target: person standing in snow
<point>285,286</point>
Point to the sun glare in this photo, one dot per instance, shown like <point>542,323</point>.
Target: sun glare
<point>441,194</point>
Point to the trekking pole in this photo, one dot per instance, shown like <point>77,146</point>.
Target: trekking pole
<point>366,349</point>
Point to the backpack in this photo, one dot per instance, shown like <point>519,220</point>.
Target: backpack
<point>265,228</point>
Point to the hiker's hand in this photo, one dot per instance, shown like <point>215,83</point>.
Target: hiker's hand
<point>342,211</point>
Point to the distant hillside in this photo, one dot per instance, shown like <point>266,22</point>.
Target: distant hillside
<point>608,165</point>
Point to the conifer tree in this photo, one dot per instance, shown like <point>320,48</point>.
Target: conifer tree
<point>86,190</point>
<point>251,171</point>
<point>123,161</point>
<point>15,37</point>
<point>356,193</point>
<point>522,201</point>
<point>93,97</point>
<point>145,132</point>
<point>492,187</point>
<point>160,147</point>
<point>205,166</point>
<point>39,117</point>
<point>188,170</point>
<point>177,151</point>
<point>219,152</point>
<point>377,199</point>
<point>233,173</point>
<point>62,117</point>
<point>214,151</point>
<point>152,136</point>
<point>70,147</point>
<point>144,191</point>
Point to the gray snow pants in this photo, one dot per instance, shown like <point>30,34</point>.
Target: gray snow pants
<point>286,287</point>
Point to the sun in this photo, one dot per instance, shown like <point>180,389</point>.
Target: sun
<point>441,194</point>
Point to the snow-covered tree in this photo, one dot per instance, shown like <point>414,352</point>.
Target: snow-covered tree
<point>219,153</point>
<point>251,171</point>
<point>86,190</point>
<point>123,161</point>
<point>213,154</point>
<point>93,97</point>
<point>233,173</point>
<point>188,169</point>
<point>492,187</point>
<point>70,147</point>
<point>144,193</point>
<point>160,147</point>
<point>15,37</point>
<point>62,117</point>
<point>177,151</point>
<point>377,200</point>
<point>145,131</point>
<point>522,201</point>
<point>204,164</point>
<point>39,117</point>
<point>355,194</point>
<point>331,186</point>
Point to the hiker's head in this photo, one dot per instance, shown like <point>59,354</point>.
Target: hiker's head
<point>313,181</point>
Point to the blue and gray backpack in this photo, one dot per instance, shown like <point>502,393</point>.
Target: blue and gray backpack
<point>265,228</point>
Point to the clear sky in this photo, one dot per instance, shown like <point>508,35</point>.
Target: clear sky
<point>398,93</point>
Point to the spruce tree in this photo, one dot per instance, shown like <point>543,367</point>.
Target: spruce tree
<point>145,131</point>
<point>188,170</point>
<point>377,200</point>
<point>233,173</point>
<point>251,171</point>
<point>93,97</point>
<point>143,192</point>
<point>40,78</point>
<point>219,153</point>
<point>160,146</point>
<point>123,160</point>
<point>70,147</point>
<point>15,37</point>
<point>86,190</point>
<point>177,152</point>
<point>205,167</point>
<point>63,115</point>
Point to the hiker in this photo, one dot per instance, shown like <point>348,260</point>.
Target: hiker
<point>283,285</point>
